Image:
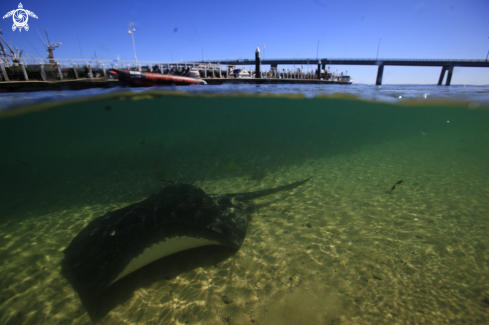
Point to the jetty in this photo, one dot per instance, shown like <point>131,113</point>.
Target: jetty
<point>40,74</point>
<point>32,74</point>
<point>447,65</point>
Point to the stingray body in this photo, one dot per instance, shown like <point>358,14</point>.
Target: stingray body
<point>176,218</point>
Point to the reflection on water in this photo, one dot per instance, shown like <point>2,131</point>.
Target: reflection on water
<point>343,248</point>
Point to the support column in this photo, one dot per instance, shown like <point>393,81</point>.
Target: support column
<point>24,71</point>
<point>4,72</point>
<point>43,73</point>
<point>60,72</point>
<point>449,76</point>
<point>75,71</point>
<point>103,71</point>
<point>380,73</point>
<point>89,71</point>
<point>274,69</point>
<point>442,75</point>
<point>257,63</point>
<point>319,70</point>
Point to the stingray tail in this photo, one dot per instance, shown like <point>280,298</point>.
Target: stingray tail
<point>257,194</point>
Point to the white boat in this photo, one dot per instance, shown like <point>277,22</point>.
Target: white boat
<point>346,79</point>
<point>193,73</point>
<point>239,73</point>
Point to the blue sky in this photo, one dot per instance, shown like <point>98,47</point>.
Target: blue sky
<point>182,30</point>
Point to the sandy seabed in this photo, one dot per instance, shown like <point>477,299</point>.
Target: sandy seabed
<point>341,249</point>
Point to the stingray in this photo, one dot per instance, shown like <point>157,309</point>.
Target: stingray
<point>174,219</point>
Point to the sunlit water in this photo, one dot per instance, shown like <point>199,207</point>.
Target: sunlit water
<point>345,248</point>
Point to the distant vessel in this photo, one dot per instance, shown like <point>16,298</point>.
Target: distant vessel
<point>337,77</point>
<point>150,79</point>
<point>193,73</point>
<point>342,78</point>
<point>239,73</point>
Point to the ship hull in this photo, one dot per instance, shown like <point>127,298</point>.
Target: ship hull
<point>150,79</point>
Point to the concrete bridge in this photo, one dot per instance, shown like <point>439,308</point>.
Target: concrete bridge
<point>446,65</point>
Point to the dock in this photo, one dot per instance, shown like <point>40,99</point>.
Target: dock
<point>41,74</point>
<point>274,81</point>
<point>447,65</point>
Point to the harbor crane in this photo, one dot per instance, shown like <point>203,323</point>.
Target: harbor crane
<point>15,57</point>
<point>49,46</point>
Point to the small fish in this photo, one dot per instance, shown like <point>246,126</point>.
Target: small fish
<point>427,135</point>
<point>168,181</point>
<point>393,187</point>
<point>146,144</point>
<point>24,163</point>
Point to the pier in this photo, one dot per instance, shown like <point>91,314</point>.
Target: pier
<point>37,74</point>
<point>30,74</point>
<point>445,64</point>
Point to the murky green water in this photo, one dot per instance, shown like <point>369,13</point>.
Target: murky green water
<point>121,148</point>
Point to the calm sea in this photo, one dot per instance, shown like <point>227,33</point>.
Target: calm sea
<point>347,247</point>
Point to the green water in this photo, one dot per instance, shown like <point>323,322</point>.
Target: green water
<point>99,151</point>
<point>426,240</point>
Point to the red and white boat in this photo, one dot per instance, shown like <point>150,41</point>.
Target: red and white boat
<point>150,79</point>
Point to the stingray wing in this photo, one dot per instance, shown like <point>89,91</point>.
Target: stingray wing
<point>30,13</point>
<point>10,13</point>
<point>106,246</point>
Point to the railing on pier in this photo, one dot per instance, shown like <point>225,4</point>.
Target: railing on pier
<point>366,60</point>
<point>109,64</point>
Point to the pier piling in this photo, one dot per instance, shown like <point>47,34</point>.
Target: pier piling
<point>59,71</point>
<point>75,72</point>
<point>380,73</point>
<point>442,75</point>
<point>42,72</point>
<point>4,72</point>
<point>449,76</point>
<point>257,63</point>
<point>22,66</point>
